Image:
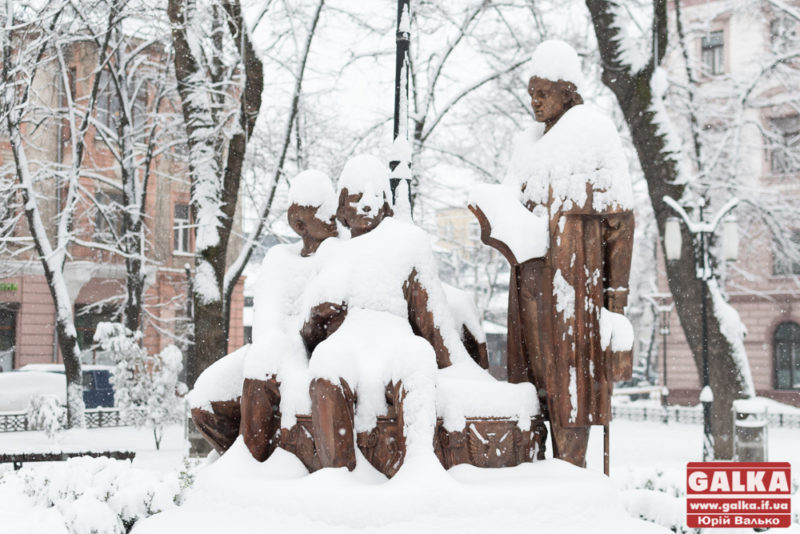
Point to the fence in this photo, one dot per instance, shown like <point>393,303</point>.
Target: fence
<point>99,418</point>
<point>681,414</point>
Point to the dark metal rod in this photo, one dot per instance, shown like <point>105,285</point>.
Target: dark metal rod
<point>401,58</point>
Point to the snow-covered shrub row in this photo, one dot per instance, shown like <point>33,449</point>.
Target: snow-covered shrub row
<point>46,413</point>
<point>101,495</point>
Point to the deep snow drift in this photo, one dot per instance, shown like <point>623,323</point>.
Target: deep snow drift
<point>236,494</point>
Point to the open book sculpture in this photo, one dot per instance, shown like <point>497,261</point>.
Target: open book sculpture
<point>356,349</point>
<point>570,253</point>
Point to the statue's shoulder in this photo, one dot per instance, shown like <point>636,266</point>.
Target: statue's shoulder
<point>588,122</point>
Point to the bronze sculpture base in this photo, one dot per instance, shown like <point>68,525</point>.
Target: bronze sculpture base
<point>483,442</point>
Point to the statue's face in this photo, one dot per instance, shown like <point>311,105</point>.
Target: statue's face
<point>304,221</point>
<point>547,99</point>
<point>361,212</point>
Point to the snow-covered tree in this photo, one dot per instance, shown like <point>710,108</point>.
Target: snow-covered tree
<point>703,162</point>
<point>146,386</point>
<point>45,413</point>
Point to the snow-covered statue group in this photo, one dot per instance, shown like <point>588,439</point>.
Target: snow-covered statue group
<point>360,353</point>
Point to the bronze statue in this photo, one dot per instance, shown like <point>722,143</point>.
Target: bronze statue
<point>556,301</point>
<point>254,412</point>
<point>326,427</point>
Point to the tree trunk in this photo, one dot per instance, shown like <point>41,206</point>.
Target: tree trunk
<point>659,165</point>
<point>206,136</point>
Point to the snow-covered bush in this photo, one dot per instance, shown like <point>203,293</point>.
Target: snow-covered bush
<point>146,387</point>
<point>99,495</point>
<point>46,413</point>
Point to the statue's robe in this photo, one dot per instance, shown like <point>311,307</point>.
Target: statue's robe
<point>555,301</point>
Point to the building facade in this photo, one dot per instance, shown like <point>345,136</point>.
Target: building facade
<point>747,52</point>
<point>95,275</point>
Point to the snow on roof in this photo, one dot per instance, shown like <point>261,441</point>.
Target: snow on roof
<point>313,188</point>
<point>556,60</point>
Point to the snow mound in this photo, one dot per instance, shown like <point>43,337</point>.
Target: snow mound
<point>313,188</point>
<point>583,147</point>
<point>616,331</point>
<point>464,311</point>
<point>547,496</point>
<point>366,174</point>
<point>221,381</point>
<point>463,391</point>
<point>525,233</point>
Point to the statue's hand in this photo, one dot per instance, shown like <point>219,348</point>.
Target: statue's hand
<point>323,320</point>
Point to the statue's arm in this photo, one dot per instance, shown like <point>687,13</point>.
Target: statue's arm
<point>422,320</point>
<point>486,232</point>
<point>322,321</point>
<point>618,250</point>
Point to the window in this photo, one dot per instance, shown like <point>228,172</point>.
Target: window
<point>787,356</point>
<point>783,34</point>
<point>107,104</point>
<point>783,265</point>
<point>8,335</point>
<point>712,53</point>
<point>108,217</point>
<point>180,228</point>
<point>87,317</point>
<point>785,154</point>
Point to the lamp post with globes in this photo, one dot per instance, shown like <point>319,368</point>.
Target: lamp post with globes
<point>701,231</point>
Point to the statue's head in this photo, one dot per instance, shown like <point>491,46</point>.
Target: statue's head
<point>555,79</point>
<point>364,194</point>
<point>312,206</point>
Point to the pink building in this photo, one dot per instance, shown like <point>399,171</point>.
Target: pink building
<point>96,278</point>
<point>726,44</point>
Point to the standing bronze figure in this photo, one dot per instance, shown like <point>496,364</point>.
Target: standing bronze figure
<point>566,333</point>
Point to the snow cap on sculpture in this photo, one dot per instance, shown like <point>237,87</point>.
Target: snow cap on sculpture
<point>367,176</point>
<point>364,173</point>
<point>313,188</point>
<point>556,60</point>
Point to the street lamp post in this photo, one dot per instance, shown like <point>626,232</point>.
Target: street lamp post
<point>701,231</point>
<point>663,307</point>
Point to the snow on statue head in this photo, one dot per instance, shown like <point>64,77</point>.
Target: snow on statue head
<point>364,194</point>
<point>312,209</point>
<point>555,81</point>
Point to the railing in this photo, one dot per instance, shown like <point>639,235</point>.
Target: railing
<point>98,418</point>
<point>682,414</point>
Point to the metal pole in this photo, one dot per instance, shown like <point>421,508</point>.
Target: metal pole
<point>606,449</point>
<point>401,169</point>
<point>705,394</point>
<point>402,40</point>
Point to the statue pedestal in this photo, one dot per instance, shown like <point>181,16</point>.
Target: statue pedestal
<point>483,442</point>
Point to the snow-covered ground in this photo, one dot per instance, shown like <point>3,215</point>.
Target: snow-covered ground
<point>548,497</point>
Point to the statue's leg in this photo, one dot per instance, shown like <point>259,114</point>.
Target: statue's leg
<point>220,426</point>
<point>332,408</point>
<point>570,443</point>
<point>260,416</point>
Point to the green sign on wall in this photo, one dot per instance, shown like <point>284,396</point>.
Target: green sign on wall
<point>8,286</point>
